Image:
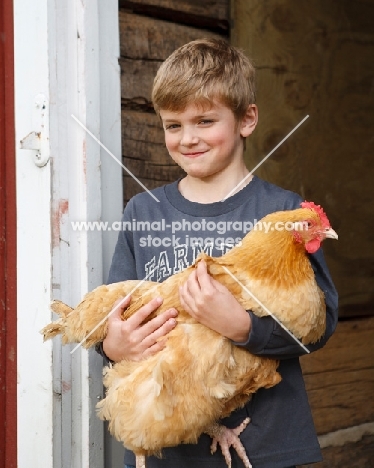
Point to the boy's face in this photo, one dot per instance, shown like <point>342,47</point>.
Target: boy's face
<point>206,141</point>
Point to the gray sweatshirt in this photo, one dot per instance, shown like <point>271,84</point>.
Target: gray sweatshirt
<point>161,238</point>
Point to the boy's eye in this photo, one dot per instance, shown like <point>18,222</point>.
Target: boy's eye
<point>206,121</point>
<point>171,126</point>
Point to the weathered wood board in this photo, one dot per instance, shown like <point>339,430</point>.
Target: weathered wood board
<point>340,377</point>
<point>136,81</point>
<point>316,58</point>
<point>353,455</point>
<point>145,44</point>
<point>213,9</point>
<point>152,39</point>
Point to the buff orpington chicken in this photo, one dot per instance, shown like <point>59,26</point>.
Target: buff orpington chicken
<point>182,391</point>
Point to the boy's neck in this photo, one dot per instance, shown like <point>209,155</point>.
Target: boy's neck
<point>214,188</point>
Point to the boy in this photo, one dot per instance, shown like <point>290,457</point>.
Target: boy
<point>204,94</point>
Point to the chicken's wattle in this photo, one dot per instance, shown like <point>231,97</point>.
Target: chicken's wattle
<point>313,245</point>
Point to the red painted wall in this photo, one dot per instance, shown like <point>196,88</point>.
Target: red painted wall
<point>8,298</point>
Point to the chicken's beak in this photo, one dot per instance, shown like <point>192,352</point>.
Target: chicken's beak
<point>331,234</point>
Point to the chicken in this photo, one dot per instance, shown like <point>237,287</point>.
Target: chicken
<point>146,402</point>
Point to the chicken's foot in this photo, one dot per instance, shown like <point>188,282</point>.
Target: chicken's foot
<point>140,461</point>
<point>226,438</point>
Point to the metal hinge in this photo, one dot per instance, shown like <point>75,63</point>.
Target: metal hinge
<point>38,140</point>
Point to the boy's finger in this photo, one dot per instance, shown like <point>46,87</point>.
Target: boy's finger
<point>159,326</point>
<point>158,346</point>
<point>192,279</point>
<point>140,315</point>
<point>118,306</point>
<point>203,277</point>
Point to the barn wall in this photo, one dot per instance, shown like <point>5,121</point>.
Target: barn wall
<point>315,58</point>
<point>340,382</point>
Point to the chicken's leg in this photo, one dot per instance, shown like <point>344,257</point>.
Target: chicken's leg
<point>229,437</point>
<point>140,461</point>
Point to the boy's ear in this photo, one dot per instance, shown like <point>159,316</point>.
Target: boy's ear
<point>249,121</point>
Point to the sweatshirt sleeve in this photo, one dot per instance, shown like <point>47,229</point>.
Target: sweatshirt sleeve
<point>123,264</point>
<point>268,338</point>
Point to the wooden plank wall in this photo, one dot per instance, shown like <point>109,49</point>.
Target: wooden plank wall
<point>150,30</point>
<point>340,382</point>
<point>316,57</point>
<point>346,368</point>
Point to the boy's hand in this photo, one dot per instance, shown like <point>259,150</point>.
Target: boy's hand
<point>211,303</point>
<point>130,339</point>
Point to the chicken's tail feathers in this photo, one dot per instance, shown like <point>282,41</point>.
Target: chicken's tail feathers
<point>52,330</point>
<point>58,327</point>
<point>60,308</point>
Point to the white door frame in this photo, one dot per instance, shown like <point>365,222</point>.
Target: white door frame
<point>66,62</point>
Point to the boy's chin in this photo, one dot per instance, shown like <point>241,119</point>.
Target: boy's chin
<point>201,175</point>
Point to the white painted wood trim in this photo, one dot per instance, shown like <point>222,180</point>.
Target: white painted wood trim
<point>68,51</point>
<point>35,391</point>
<point>110,126</point>
<point>111,172</point>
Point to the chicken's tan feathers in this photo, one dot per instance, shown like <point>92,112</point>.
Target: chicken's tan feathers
<point>61,309</point>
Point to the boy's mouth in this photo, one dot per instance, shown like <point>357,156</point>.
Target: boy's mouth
<point>193,154</point>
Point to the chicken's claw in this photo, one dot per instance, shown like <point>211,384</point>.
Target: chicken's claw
<point>226,438</point>
<point>140,461</point>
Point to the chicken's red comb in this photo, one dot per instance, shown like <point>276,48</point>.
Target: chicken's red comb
<point>319,210</point>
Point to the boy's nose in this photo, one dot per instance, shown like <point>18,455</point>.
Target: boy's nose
<point>189,137</point>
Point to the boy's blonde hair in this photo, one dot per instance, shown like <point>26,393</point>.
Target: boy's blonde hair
<point>202,71</point>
